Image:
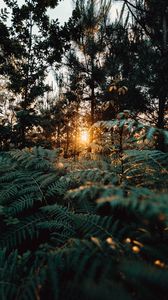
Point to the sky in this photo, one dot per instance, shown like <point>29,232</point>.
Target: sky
<point>62,11</point>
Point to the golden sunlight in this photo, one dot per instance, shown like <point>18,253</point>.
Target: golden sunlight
<point>84,136</point>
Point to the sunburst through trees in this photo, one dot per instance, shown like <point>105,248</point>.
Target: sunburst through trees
<point>84,158</point>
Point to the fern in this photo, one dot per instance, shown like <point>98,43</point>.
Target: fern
<point>146,166</point>
<point>15,235</point>
<point>97,230</point>
<point>25,202</point>
<point>8,286</point>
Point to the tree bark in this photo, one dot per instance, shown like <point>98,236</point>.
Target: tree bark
<point>160,145</point>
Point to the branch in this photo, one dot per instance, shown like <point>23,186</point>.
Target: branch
<point>142,24</point>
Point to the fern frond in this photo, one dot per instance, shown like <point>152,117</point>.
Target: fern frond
<point>23,203</point>
<point>25,229</point>
<point>94,225</point>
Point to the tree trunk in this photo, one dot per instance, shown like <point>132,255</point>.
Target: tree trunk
<point>58,144</point>
<point>93,104</point>
<point>92,93</point>
<point>160,145</point>
<point>26,89</point>
<point>67,142</point>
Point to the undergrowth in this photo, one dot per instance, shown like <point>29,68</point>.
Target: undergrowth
<point>94,229</point>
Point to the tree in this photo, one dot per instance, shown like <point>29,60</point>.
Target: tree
<point>122,86</point>
<point>26,54</point>
<point>91,20</point>
<point>151,19</point>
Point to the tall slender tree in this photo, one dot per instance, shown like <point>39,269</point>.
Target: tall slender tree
<point>27,50</point>
<point>151,20</point>
<point>91,21</point>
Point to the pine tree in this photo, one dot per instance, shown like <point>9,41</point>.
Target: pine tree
<point>27,49</point>
<point>91,21</point>
<point>151,19</point>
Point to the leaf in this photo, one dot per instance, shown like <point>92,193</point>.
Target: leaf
<point>165,136</point>
<point>150,133</point>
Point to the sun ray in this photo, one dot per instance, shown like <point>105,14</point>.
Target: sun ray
<point>84,136</point>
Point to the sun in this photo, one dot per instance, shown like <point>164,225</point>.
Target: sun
<point>84,136</point>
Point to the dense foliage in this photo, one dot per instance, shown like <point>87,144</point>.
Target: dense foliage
<point>100,67</point>
<point>83,229</point>
<point>83,155</point>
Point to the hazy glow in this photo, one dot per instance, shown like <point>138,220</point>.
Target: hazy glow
<point>84,137</point>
